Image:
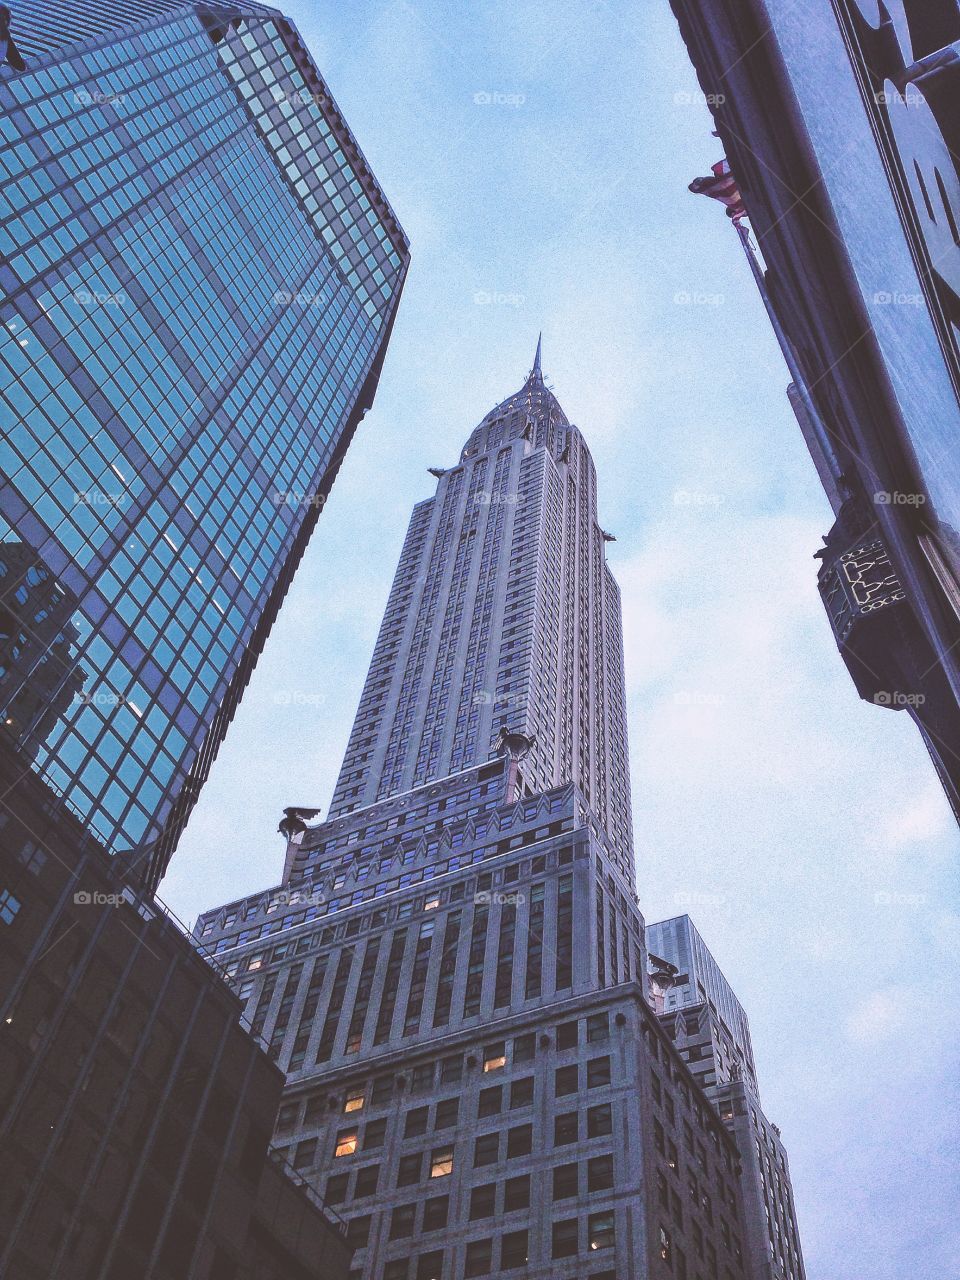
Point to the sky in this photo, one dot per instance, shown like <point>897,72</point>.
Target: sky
<point>538,156</point>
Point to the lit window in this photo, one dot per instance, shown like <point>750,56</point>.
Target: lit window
<point>495,1056</point>
<point>431,904</point>
<point>354,1102</point>
<point>254,963</point>
<point>600,1230</point>
<point>346,1142</point>
<point>9,906</point>
<point>441,1162</point>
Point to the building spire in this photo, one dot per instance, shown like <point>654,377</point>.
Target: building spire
<point>537,372</point>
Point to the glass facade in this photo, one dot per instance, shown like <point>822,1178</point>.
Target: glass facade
<point>199,274</point>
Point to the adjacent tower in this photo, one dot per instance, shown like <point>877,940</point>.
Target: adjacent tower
<point>199,278</point>
<point>452,972</point>
<point>709,1027</point>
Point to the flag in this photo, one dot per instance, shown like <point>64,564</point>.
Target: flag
<point>722,186</point>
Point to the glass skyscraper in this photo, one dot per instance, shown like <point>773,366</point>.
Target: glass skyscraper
<point>199,274</point>
<point>452,972</point>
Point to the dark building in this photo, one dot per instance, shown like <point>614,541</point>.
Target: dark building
<point>708,1026</point>
<point>452,972</point>
<point>841,132</point>
<point>199,274</point>
<point>135,1109</point>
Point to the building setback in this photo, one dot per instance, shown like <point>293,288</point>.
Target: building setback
<point>452,972</point>
<point>860,271</point>
<point>708,1026</point>
<point>199,275</point>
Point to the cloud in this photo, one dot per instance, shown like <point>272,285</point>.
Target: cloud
<point>881,1015</point>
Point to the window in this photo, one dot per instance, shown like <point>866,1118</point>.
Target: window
<point>451,1070</point>
<point>598,1028</point>
<point>495,1056</point>
<point>565,1238</point>
<point>336,1191</point>
<point>435,1211</point>
<point>430,1265</point>
<point>447,1113</point>
<point>513,1250</point>
<point>486,1150</point>
<point>566,1080</point>
<point>398,1269</point>
<point>566,1181</point>
<point>408,1170</point>
<point>483,1201</point>
<point>521,1093</point>
<point>366,1183</point>
<point>516,1193</point>
<point>382,1089</point>
<point>374,1134</point>
<point>354,1102</point>
<point>566,1128</point>
<point>600,1230</point>
<point>600,1173</point>
<point>490,1102</point>
<point>519,1141</point>
<point>441,1162</point>
<point>524,1048</point>
<point>416,1122</point>
<point>287,1117</point>
<point>422,1077</point>
<point>358,1230</point>
<point>599,1121</point>
<point>401,1221</point>
<point>9,906</point>
<point>346,1142</point>
<point>479,1258</point>
<point>567,1035</point>
<point>598,1073</point>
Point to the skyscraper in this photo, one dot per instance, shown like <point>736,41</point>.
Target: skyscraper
<point>200,274</point>
<point>707,1023</point>
<point>452,972</point>
<point>844,150</point>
